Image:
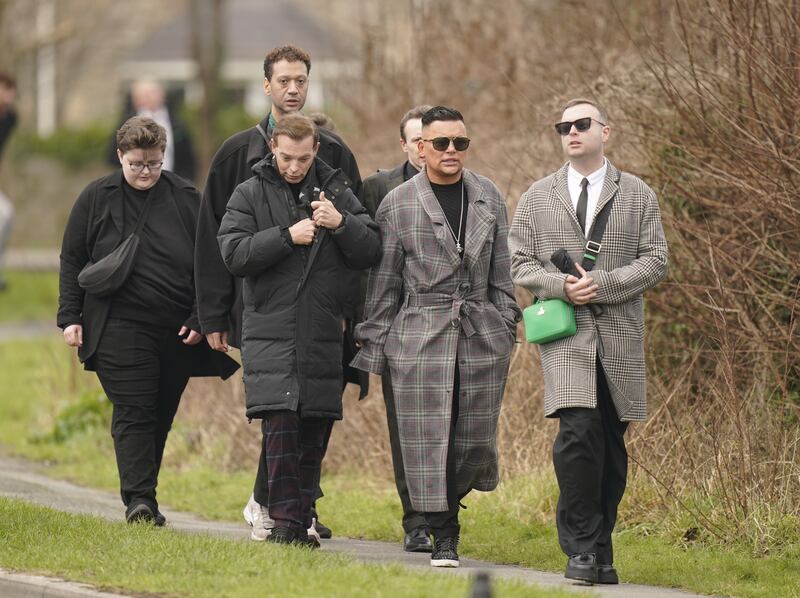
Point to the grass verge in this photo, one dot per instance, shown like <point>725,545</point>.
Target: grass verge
<point>30,296</point>
<point>43,397</point>
<point>144,559</point>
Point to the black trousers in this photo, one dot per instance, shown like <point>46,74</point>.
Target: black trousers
<point>411,519</point>
<point>591,464</point>
<point>444,524</point>
<point>294,448</point>
<point>143,371</point>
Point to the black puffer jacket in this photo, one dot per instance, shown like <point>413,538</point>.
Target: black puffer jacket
<point>294,296</point>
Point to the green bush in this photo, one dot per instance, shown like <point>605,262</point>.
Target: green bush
<point>91,411</point>
<point>73,147</point>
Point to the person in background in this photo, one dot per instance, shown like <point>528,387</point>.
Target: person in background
<point>149,98</point>
<point>219,293</point>
<point>143,340</point>
<point>291,232</point>
<point>594,381</point>
<point>376,186</point>
<point>8,120</point>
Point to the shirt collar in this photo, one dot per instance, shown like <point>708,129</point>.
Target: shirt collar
<point>594,178</point>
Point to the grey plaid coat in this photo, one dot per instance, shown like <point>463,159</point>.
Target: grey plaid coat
<point>426,308</point>
<point>633,259</point>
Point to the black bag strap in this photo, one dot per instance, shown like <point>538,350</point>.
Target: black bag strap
<point>263,133</point>
<point>594,244</point>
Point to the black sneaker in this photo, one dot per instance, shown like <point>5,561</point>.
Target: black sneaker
<point>160,520</point>
<point>140,512</point>
<point>445,552</point>
<point>282,535</point>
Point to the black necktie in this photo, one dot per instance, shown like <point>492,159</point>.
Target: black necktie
<point>580,211</point>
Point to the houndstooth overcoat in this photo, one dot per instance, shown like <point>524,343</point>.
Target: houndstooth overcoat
<point>633,258</point>
<point>426,308</point>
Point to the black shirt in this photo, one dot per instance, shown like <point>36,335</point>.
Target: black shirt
<point>160,289</point>
<point>451,199</point>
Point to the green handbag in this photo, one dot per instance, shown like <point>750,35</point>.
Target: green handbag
<point>549,320</point>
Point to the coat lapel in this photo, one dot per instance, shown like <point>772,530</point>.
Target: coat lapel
<point>115,202</point>
<point>480,221</point>
<point>431,206</point>
<point>562,192</point>
<point>395,177</point>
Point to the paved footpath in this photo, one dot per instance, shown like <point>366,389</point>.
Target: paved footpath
<point>19,479</point>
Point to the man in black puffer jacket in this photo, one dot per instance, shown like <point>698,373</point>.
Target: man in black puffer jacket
<point>292,231</point>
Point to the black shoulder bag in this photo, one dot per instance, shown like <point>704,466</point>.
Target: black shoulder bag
<point>104,277</point>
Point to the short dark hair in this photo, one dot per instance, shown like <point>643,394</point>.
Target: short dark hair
<point>415,112</point>
<point>7,80</point>
<point>141,132</point>
<point>297,127</point>
<point>323,120</point>
<point>290,54</point>
<point>441,113</point>
<point>600,110</point>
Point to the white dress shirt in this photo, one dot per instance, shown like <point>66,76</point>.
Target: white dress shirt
<point>594,188</point>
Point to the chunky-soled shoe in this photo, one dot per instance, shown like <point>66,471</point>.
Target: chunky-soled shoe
<point>607,574</point>
<point>445,552</point>
<point>140,512</point>
<point>582,567</point>
<point>417,540</point>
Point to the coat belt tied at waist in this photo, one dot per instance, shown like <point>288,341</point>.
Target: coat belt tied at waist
<point>461,306</point>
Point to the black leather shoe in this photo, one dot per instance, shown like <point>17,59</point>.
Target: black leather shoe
<point>582,567</point>
<point>160,520</point>
<point>607,574</point>
<point>417,540</point>
<point>140,512</point>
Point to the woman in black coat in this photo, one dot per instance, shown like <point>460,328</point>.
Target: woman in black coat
<point>143,340</point>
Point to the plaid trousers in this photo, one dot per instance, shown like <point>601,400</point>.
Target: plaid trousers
<point>294,449</point>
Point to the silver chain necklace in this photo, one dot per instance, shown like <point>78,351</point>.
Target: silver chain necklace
<point>457,237</point>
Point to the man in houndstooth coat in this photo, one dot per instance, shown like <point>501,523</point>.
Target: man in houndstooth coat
<point>441,312</point>
<point>594,380</point>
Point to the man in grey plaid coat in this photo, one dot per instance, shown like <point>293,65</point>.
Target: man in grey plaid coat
<point>594,380</point>
<point>441,312</point>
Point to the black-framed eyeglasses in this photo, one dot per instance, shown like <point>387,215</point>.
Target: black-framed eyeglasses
<point>137,167</point>
<point>440,144</point>
<point>581,125</point>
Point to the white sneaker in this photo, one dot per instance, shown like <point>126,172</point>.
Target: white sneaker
<point>313,534</point>
<point>258,517</point>
<point>249,510</point>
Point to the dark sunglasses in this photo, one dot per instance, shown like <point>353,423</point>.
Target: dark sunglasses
<point>441,144</point>
<point>581,125</point>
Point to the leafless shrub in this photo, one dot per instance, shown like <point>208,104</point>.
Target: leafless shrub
<point>704,96</point>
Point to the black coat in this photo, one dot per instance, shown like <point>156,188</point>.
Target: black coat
<point>219,295</point>
<point>95,229</point>
<point>294,297</point>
